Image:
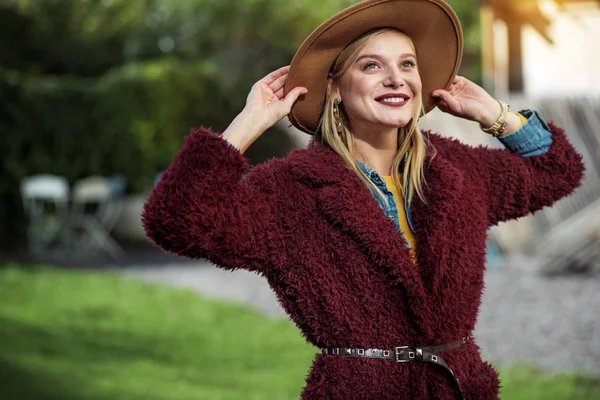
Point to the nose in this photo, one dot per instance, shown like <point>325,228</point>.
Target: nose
<point>394,78</point>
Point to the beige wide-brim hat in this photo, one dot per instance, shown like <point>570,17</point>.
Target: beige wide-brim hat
<point>431,24</point>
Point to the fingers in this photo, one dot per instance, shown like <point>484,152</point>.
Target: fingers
<point>278,84</point>
<point>293,95</point>
<point>442,105</point>
<point>446,100</point>
<point>279,93</point>
<point>273,76</point>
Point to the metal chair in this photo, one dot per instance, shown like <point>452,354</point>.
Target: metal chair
<point>45,201</point>
<point>94,212</point>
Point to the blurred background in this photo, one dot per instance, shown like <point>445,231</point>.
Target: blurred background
<point>96,99</point>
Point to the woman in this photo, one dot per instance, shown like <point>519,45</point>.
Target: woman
<point>373,237</point>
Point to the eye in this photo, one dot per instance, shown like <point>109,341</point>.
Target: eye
<point>408,64</point>
<point>369,65</point>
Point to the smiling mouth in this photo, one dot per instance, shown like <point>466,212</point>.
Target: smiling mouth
<point>393,101</point>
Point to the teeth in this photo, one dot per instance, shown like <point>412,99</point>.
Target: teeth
<point>393,100</point>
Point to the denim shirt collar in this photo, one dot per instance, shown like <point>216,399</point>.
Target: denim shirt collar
<point>377,179</point>
<point>371,173</point>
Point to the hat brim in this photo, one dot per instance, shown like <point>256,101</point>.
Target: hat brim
<point>431,24</point>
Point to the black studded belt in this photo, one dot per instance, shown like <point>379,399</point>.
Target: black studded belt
<point>402,354</point>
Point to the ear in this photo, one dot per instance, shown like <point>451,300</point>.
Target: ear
<point>333,89</point>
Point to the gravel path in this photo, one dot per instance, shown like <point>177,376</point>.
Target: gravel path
<point>553,322</point>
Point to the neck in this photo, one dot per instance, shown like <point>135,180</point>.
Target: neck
<point>376,148</point>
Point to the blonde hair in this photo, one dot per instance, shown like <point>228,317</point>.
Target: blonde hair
<point>411,141</point>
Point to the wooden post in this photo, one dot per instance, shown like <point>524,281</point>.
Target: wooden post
<point>487,48</point>
<point>514,27</point>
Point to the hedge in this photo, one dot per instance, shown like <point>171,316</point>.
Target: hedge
<point>131,121</point>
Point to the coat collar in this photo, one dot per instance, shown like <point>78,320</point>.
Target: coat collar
<point>346,203</point>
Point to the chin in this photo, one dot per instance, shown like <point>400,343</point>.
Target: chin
<point>397,122</point>
<point>400,124</point>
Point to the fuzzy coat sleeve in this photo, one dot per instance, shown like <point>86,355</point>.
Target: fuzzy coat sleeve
<point>207,206</point>
<point>513,186</point>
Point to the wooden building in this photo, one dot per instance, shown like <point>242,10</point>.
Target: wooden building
<point>514,31</point>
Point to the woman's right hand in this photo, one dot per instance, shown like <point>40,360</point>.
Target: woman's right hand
<point>265,106</point>
<point>266,102</point>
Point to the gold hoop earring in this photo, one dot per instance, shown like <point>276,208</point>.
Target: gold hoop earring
<point>339,125</point>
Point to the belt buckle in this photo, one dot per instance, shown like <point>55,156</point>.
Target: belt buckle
<point>401,349</point>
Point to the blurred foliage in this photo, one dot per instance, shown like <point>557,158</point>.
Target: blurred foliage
<point>119,123</point>
<point>99,336</point>
<point>113,86</point>
<point>468,12</point>
<point>245,37</point>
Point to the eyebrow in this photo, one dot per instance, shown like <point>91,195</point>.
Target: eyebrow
<point>403,55</point>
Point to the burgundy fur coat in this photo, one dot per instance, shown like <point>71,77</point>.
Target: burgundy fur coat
<point>338,265</point>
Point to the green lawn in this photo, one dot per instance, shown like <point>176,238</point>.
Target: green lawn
<point>89,335</point>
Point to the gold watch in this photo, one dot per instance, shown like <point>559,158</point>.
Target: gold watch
<point>500,125</point>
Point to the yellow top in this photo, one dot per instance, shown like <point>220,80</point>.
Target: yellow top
<point>404,226</point>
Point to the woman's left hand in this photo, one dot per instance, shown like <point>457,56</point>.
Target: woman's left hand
<point>468,100</point>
